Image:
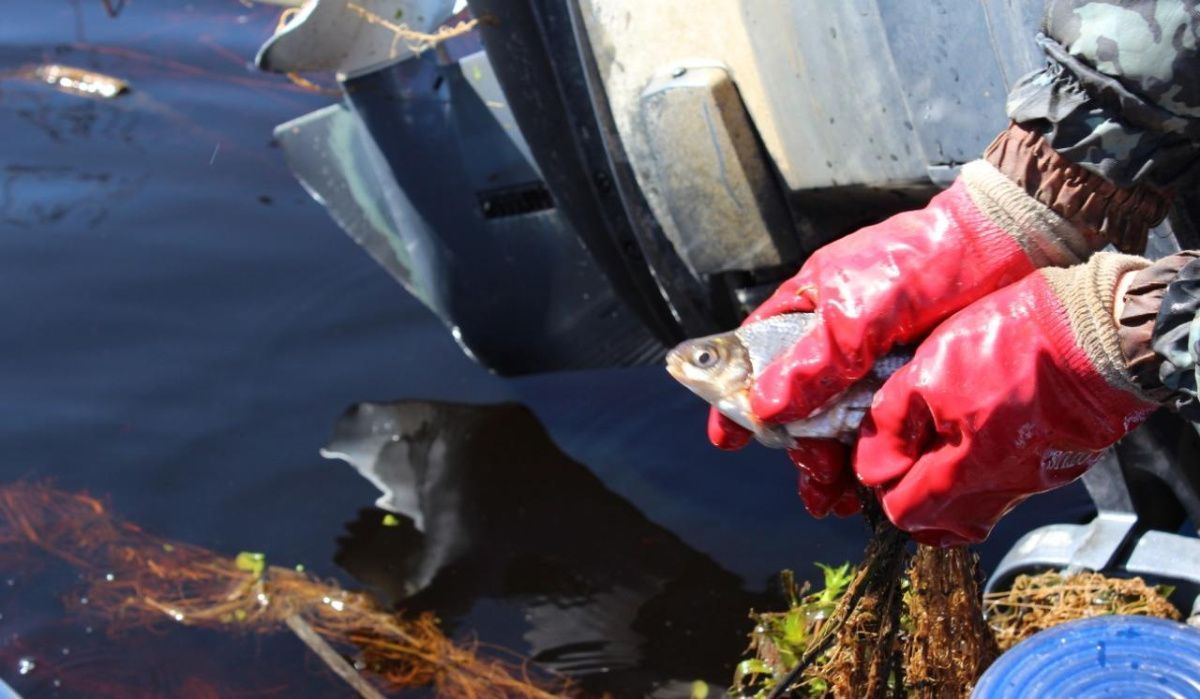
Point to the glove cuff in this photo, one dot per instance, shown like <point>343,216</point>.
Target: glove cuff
<point>1049,240</point>
<point>1088,294</point>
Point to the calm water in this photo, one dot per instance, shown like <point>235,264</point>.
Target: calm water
<point>183,326</point>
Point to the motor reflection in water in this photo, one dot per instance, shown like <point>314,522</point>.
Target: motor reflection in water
<point>493,512</point>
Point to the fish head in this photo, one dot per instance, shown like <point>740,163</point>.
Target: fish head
<point>716,368</point>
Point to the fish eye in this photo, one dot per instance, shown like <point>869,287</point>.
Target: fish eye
<point>705,357</point>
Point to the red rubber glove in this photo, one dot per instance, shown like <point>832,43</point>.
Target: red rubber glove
<point>1017,394</point>
<point>889,284</point>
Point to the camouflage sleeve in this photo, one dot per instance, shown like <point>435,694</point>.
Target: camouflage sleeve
<point>1159,331</point>
<point>1177,340</point>
<point>1120,93</point>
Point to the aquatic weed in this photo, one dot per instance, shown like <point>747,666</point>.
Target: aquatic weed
<point>138,581</point>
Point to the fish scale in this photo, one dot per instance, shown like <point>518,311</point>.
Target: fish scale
<point>768,338</point>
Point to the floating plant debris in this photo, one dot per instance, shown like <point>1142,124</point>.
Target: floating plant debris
<point>138,581</point>
<point>1037,602</point>
<point>77,81</point>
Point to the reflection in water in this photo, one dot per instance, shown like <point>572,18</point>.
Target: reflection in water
<point>36,197</point>
<point>63,661</point>
<point>497,513</point>
<point>113,7</point>
<point>68,121</point>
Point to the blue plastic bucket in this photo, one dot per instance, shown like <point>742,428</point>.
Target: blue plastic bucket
<point>1110,656</point>
<point>7,692</point>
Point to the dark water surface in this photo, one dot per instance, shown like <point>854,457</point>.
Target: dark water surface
<point>183,326</point>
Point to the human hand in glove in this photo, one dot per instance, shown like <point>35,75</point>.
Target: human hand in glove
<point>1014,395</point>
<point>890,284</point>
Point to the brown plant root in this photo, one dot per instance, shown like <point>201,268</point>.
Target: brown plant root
<point>931,641</point>
<point>297,79</point>
<point>880,641</point>
<point>949,644</point>
<point>142,581</point>
<point>865,657</point>
<point>1037,602</point>
<point>417,42</point>
<point>855,653</point>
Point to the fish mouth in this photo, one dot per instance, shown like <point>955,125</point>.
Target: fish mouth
<point>675,365</point>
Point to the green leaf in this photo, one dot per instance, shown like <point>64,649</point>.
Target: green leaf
<point>752,666</point>
<point>836,581</point>
<point>251,562</point>
<point>793,628</point>
<point>787,659</point>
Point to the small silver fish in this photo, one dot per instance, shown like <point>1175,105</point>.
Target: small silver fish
<point>722,368</point>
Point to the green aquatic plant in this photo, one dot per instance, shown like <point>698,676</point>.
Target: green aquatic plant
<point>251,562</point>
<point>780,639</point>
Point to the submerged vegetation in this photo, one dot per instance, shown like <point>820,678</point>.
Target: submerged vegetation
<point>139,581</point>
